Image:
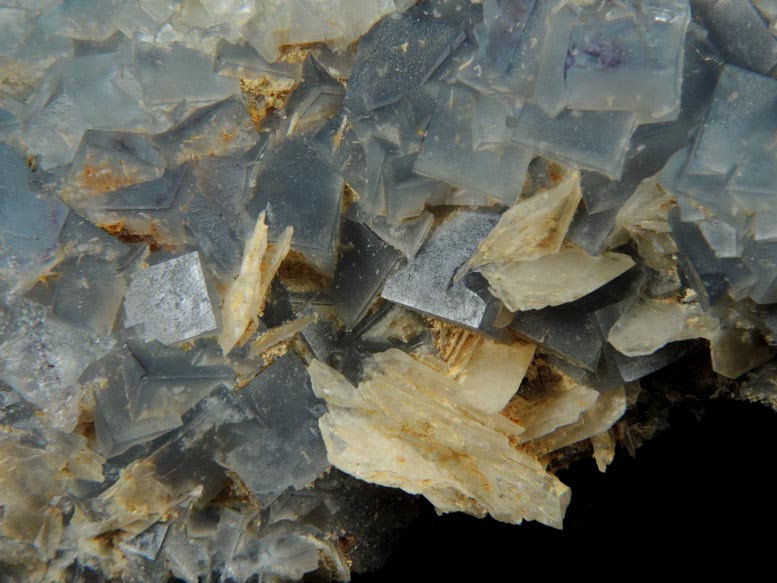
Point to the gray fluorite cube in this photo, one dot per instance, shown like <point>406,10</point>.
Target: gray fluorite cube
<point>595,140</point>
<point>743,109</point>
<point>106,93</point>
<point>89,293</point>
<point>740,33</point>
<point>449,152</point>
<point>42,358</point>
<point>364,264</point>
<point>298,188</point>
<point>632,63</point>
<point>397,56</point>
<point>426,282</point>
<point>53,133</point>
<point>172,301</point>
<point>170,75</point>
<point>282,445</point>
<point>29,226</point>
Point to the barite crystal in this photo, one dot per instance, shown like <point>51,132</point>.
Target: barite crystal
<point>265,264</point>
<point>244,301</point>
<point>405,427</point>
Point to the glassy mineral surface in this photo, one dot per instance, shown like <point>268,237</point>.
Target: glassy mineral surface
<point>270,272</point>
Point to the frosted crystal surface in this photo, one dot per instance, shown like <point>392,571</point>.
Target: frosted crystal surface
<point>449,153</point>
<point>399,54</point>
<point>741,33</point>
<point>592,139</point>
<point>729,127</point>
<point>297,188</point>
<point>266,264</point>
<point>29,226</point>
<point>42,358</point>
<point>425,283</point>
<point>171,300</point>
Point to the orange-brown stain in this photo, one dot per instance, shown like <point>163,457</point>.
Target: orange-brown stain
<point>120,231</point>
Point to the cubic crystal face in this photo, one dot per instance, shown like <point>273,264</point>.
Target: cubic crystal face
<point>171,300</point>
<point>296,188</point>
<point>29,226</point>
<point>424,284</point>
<point>270,269</point>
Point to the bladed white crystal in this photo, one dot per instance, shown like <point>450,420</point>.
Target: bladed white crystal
<point>244,301</point>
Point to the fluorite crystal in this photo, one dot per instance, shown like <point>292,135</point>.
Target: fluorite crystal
<point>263,263</point>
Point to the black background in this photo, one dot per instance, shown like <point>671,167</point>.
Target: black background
<point>699,494</point>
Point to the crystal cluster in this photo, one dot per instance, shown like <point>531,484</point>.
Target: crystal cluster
<point>261,259</point>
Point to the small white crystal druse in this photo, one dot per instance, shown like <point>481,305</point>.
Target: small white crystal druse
<point>262,259</point>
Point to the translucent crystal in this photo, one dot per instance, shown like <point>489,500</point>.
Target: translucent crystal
<point>148,542</point>
<point>171,300</point>
<point>299,22</point>
<point>215,239</point>
<point>554,74</point>
<point>88,293</point>
<point>107,92</point>
<point>533,228</point>
<point>361,247</point>
<point>475,362</point>
<point>741,111</point>
<point>170,75</point>
<point>425,283</point>
<point>115,428</point>
<point>568,332</point>
<point>244,301</point>
<point>54,133</point>
<point>504,37</point>
<point>651,324</point>
<point>360,272</point>
<point>740,32</point>
<point>529,285</point>
<point>29,226</point>
<point>316,99</point>
<point>284,418</point>
<point>632,63</point>
<point>221,129</point>
<point>591,139</point>
<point>449,152</point>
<point>408,192</point>
<point>80,19</point>
<point>42,358</point>
<point>407,236</point>
<point>106,161</point>
<point>397,55</point>
<point>297,188</point>
<point>143,391</point>
<point>607,409</point>
<point>364,425</point>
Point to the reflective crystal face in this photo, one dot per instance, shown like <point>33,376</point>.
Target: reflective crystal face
<point>269,268</point>
<point>171,301</point>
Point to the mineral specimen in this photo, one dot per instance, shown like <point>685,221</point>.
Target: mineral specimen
<point>263,263</point>
<point>171,301</point>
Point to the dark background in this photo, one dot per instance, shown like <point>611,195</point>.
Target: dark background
<point>698,494</point>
